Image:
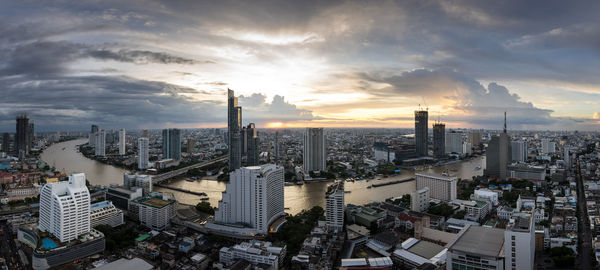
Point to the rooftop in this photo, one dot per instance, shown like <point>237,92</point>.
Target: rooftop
<point>125,264</point>
<point>480,240</point>
<point>426,249</point>
<point>155,202</point>
<point>99,205</point>
<point>437,176</point>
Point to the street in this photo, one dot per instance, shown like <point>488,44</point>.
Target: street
<point>8,247</point>
<point>585,234</point>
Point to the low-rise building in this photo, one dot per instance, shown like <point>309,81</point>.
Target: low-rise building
<point>255,252</point>
<point>154,211</point>
<point>105,213</point>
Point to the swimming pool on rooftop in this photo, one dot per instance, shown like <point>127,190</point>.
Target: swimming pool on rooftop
<point>48,243</point>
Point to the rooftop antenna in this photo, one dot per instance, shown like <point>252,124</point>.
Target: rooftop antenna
<point>425,103</point>
<point>504,121</point>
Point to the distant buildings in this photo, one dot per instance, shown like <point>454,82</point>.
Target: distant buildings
<point>419,200</point>
<point>122,142</point>
<point>548,146</point>
<point>439,140</point>
<point>475,139</point>
<point>255,252</point>
<point>65,208</point>
<point>252,201</point>
<point>334,207</point>
<point>441,187</point>
<point>100,143</point>
<point>519,151</point>
<point>383,152</point>
<point>154,211</point>
<point>234,127</point>
<point>421,133</point>
<point>138,180</point>
<point>105,213</point>
<point>92,138</point>
<point>143,153</point>
<point>315,154</point>
<point>454,143</point>
<point>527,172</point>
<point>6,142</point>
<point>171,143</point>
<point>498,154</point>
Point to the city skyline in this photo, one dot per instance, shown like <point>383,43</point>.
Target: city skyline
<point>160,65</point>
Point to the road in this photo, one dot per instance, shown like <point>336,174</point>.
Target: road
<point>8,248</point>
<point>585,234</point>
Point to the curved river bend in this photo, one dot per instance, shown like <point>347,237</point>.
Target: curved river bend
<point>64,157</point>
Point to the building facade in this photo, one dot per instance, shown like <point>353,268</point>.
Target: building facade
<point>419,200</point>
<point>519,242</point>
<point>105,213</point>
<point>519,151</point>
<point>234,128</point>
<point>334,207</point>
<point>100,143</point>
<point>253,198</point>
<point>122,142</point>
<point>315,153</point>
<point>154,211</point>
<point>138,180</point>
<point>143,153</point>
<point>252,145</point>
<point>171,143</point>
<point>421,132</point>
<point>454,143</point>
<point>439,140</point>
<point>441,187</point>
<point>22,146</point>
<point>255,252</point>
<point>65,208</point>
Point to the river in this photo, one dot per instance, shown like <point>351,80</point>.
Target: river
<point>65,157</point>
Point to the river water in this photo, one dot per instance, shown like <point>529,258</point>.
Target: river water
<point>64,157</point>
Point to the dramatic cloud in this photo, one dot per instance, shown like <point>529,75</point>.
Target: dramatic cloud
<point>338,63</point>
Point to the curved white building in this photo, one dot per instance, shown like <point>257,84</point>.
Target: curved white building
<point>65,208</point>
<point>252,201</point>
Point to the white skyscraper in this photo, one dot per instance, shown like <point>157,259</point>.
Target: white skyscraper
<point>519,151</point>
<point>143,156</point>
<point>315,156</point>
<point>100,143</point>
<point>454,143</point>
<point>65,208</point>
<point>566,156</point>
<point>441,187</point>
<point>253,197</point>
<point>122,142</point>
<point>334,207</point>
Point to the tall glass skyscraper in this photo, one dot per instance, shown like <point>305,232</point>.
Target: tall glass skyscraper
<point>315,155</point>
<point>421,132</point>
<point>22,147</point>
<point>234,127</point>
<point>171,145</point>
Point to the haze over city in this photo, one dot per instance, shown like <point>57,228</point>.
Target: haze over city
<point>156,64</point>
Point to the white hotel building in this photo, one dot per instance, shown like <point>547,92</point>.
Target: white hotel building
<point>334,207</point>
<point>65,208</point>
<point>143,153</point>
<point>441,187</point>
<point>252,201</point>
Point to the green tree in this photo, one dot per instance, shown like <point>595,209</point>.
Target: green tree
<point>205,207</point>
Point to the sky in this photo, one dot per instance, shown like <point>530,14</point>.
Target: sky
<point>155,64</point>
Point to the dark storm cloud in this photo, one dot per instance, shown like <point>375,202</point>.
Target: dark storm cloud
<point>74,102</point>
<point>142,57</point>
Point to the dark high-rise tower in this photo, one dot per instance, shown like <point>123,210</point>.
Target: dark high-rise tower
<point>234,127</point>
<point>30,135</point>
<point>253,145</point>
<point>6,142</point>
<point>276,147</point>
<point>171,143</point>
<point>439,140</point>
<point>21,145</point>
<point>498,154</point>
<point>421,133</point>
